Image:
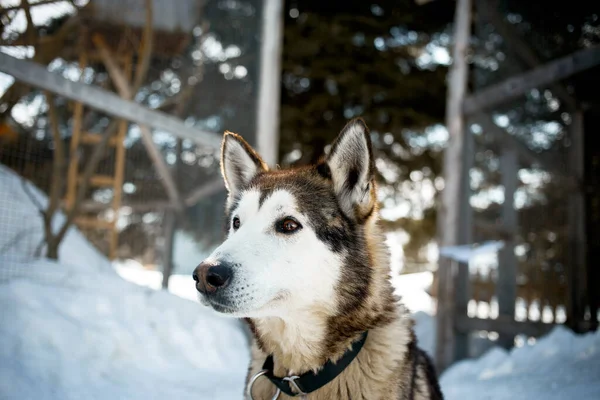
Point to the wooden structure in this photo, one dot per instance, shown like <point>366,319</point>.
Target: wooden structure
<point>543,279</point>
<point>116,33</point>
<point>115,181</point>
<point>115,39</point>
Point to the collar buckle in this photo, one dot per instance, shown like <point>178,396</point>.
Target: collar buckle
<point>292,383</point>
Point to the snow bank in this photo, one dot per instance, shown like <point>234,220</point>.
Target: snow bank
<point>560,365</point>
<point>82,335</point>
<point>22,227</point>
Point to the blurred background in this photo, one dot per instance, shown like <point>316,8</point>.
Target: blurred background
<point>482,114</point>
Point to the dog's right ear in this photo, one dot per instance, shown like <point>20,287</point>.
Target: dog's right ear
<point>352,169</point>
<point>239,163</point>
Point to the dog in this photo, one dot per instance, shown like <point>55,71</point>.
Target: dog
<point>305,265</point>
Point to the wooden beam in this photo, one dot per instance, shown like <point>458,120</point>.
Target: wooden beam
<point>267,130</point>
<point>94,206</point>
<point>125,90</point>
<point>503,325</point>
<point>169,228</point>
<point>451,216</point>
<point>577,250</point>
<point>102,100</point>
<point>209,188</point>
<point>506,287</point>
<point>511,88</point>
<point>523,50</point>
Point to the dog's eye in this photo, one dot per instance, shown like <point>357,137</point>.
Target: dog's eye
<point>236,223</point>
<point>287,225</point>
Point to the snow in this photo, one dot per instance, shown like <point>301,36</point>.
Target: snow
<point>560,365</point>
<point>75,329</point>
<point>84,335</point>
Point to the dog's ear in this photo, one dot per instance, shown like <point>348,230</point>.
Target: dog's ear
<point>239,162</point>
<point>352,170</point>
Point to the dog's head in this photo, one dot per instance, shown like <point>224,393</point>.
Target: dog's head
<point>293,235</point>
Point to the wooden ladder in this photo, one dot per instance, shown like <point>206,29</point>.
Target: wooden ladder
<point>116,143</point>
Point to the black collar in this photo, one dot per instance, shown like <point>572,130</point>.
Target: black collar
<point>309,382</point>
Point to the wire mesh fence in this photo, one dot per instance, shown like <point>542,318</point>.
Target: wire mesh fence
<point>202,68</point>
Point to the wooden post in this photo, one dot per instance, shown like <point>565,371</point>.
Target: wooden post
<point>576,268</point>
<point>75,136</point>
<point>170,223</point>
<point>267,132</point>
<point>126,91</point>
<point>450,216</point>
<point>543,75</point>
<point>506,287</point>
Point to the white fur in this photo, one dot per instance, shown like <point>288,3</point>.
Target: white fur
<point>298,270</point>
<point>351,151</point>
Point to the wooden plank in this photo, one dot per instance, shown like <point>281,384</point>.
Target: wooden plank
<point>36,75</point>
<point>94,223</point>
<point>95,138</point>
<point>503,325</point>
<point>449,219</point>
<point>462,288</point>
<point>170,227</point>
<point>577,251</point>
<point>94,206</point>
<point>125,90</point>
<point>101,180</point>
<point>512,88</point>
<point>119,169</point>
<point>74,144</point>
<point>270,81</point>
<point>506,286</point>
<point>207,189</point>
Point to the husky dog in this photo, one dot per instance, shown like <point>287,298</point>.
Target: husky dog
<point>306,266</point>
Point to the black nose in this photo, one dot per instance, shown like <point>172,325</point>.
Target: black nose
<point>210,276</point>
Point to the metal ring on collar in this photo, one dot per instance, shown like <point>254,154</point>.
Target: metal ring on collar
<point>254,378</point>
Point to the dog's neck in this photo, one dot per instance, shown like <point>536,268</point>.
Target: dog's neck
<point>309,338</point>
<point>296,343</point>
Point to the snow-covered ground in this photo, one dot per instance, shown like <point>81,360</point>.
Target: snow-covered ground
<point>75,329</point>
<point>558,366</point>
<point>82,335</point>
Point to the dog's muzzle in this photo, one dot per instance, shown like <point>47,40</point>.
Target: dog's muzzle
<point>211,277</point>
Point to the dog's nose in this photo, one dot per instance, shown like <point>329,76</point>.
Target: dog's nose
<point>210,276</point>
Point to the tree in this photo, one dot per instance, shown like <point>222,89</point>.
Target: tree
<point>374,60</point>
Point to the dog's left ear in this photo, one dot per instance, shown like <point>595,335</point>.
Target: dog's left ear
<point>352,170</point>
